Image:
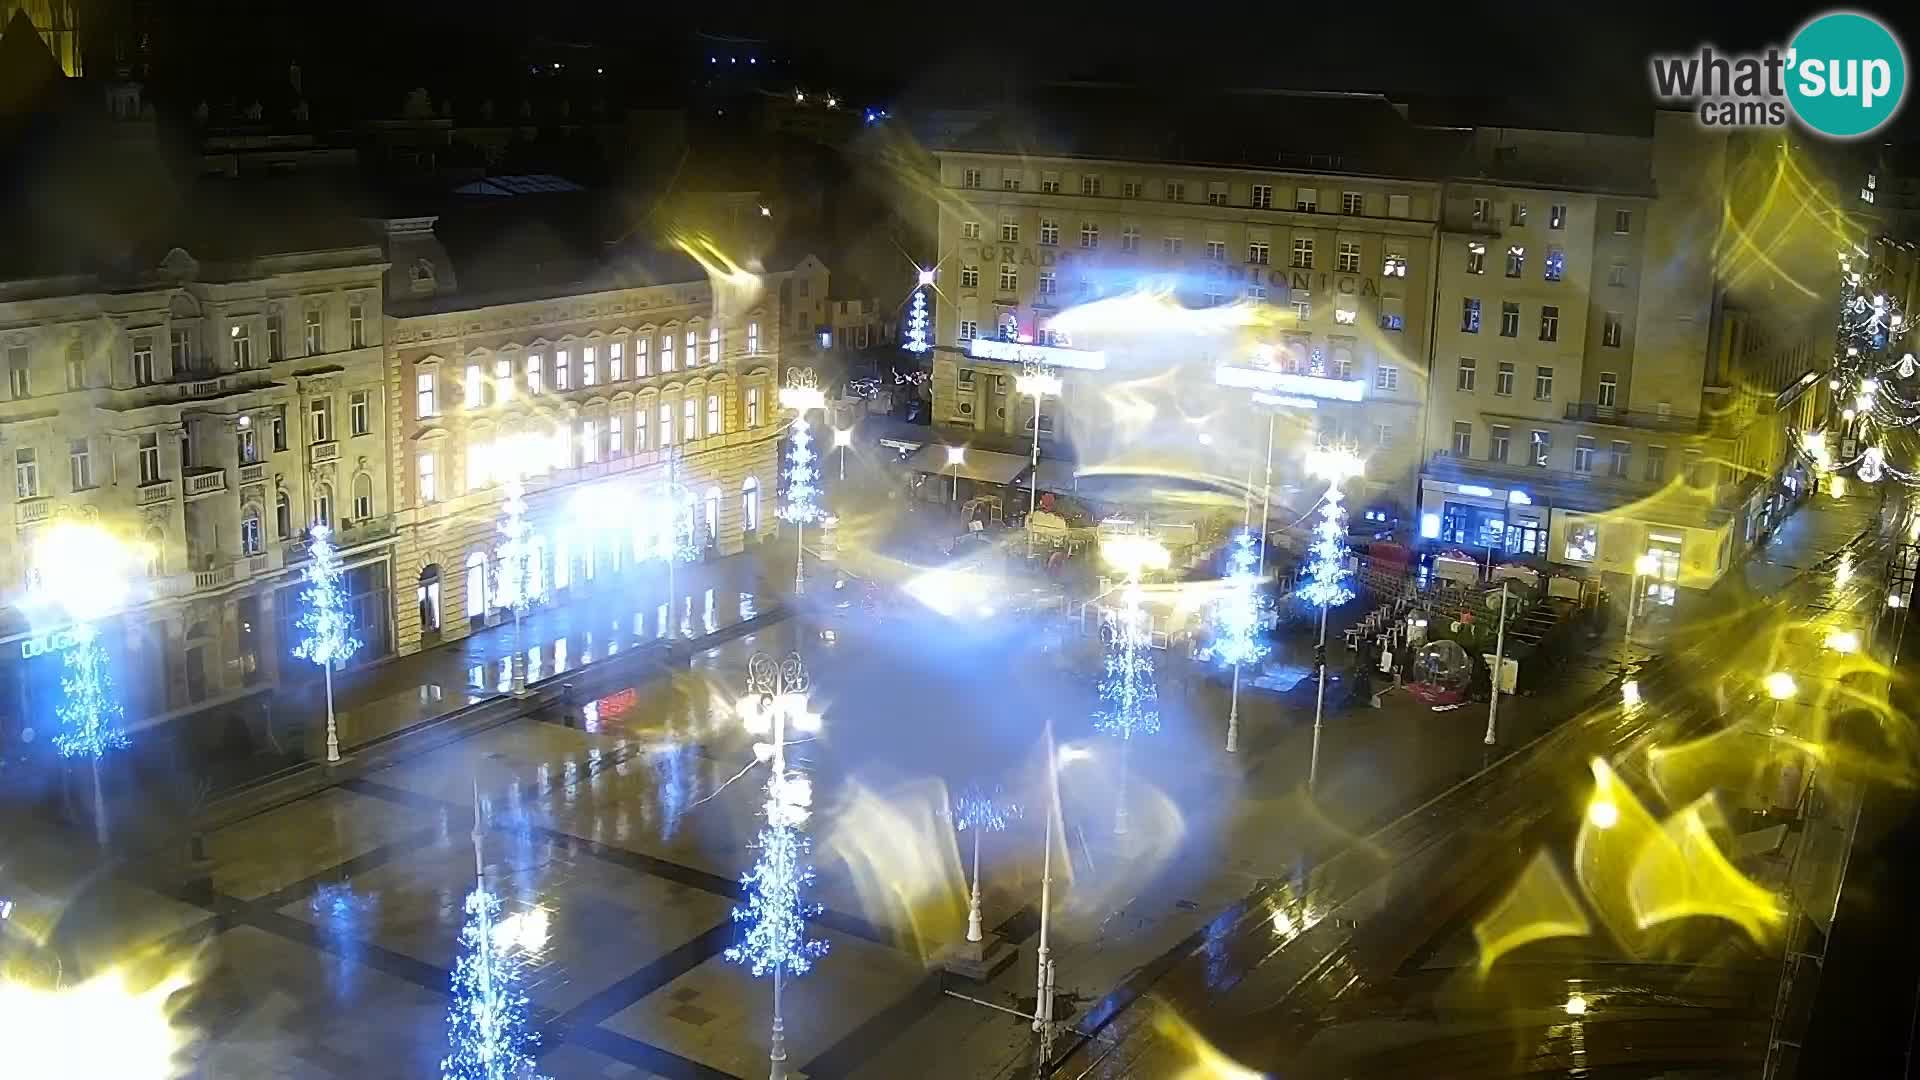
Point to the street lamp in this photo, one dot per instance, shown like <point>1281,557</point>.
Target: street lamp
<point>776,939</point>
<point>1499,669</point>
<point>956,457</point>
<point>1043,957</point>
<point>842,438</point>
<point>801,393</point>
<point>1643,567</point>
<point>1037,381</point>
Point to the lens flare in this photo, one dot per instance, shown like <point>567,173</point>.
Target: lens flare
<point>1202,1061</point>
<point>100,1028</point>
<point>1539,906</point>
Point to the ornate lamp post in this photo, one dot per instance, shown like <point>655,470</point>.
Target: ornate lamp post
<point>1037,381</point>
<point>801,393</point>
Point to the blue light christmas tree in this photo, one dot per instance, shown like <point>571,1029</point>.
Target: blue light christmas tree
<point>1126,686</point>
<point>89,711</point>
<point>803,495</point>
<point>1326,585</point>
<point>1236,614</point>
<point>916,342</point>
<point>487,1020</point>
<point>325,620</point>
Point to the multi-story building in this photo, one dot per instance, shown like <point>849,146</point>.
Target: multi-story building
<point>209,412</point>
<point>587,384</point>
<point>1319,266</point>
<point>1617,362</point>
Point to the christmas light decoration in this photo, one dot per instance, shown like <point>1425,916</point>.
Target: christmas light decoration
<point>1874,372</point>
<point>487,1019</point>
<point>325,620</point>
<point>1326,586</point>
<point>516,578</point>
<point>1236,614</point>
<point>980,810</point>
<point>916,342</point>
<point>1127,694</point>
<point>89,711</point>
<point>801,394</point>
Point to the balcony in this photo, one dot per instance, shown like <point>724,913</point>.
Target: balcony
<point>157,492</point>
<point>32,511</point>
<point>355,533</point>
<point>253,474</point>
<point>321,452</point>
<point>1591,413</point>
<point>211,579</point>
<point>1463,221</point>
<point>204,481</point>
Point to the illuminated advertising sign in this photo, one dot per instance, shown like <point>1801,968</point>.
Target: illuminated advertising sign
<point>1014,352</point>
<point>1274,381</point>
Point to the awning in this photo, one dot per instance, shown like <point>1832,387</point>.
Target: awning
<point>1055,476</point>
<point>982,465</point>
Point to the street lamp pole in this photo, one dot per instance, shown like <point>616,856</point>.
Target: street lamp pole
<point>1266,500</point>
<point>776,688</point>
<point>801,393</point>
<point>1643,567</point>
<point>1233,708</point>
<point>1328,570</point>
<point>842,438</point>
<point>1499,667</point>
<point>1036,380</point>
<point>956,456</point>
<point>1043,975</point>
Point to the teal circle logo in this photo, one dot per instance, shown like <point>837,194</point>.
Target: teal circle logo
<point>1846,75</point>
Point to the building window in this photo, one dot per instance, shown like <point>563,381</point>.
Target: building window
<point>143,374</point>
<point>1610,330</point>
<point>1617,464</point>
<point>1260,196</point>
<point>149,455</point>
<point>1175,190</point>
<point>1174,245</point>
<point>1509,320</point>
<point>1386,377</point>
<point>1497,445</point>
<point>1583,455</point>
<point>1556,265</point>
<point>1462,439</point>
<point>1394,263</point>
<point>1216,251</point>
<point>1257,254</point>
<point>640,429</point>
<point>1516,260</point>
<point>969,277</point>
<point>1482,210</point>
<point>970,178</point>
<point>323,505</point>
<point>180,349</point>
<point>426,489</point>
<point>1470,315</point>
<point>1303,253</point>
<point>589,367</point>
<point>1130,238</point>
<point>1543,384</point>
<point>1306,200</point>
<point>1383,435</point>
<point>689,419</point>
<point>1517,212</point>
<point>1583,543</point>
<point>1617,274</point>
<point>316,333</point>
<point>240,345</point>
<point>1476,258</point>
<point>1009,231</point>
<point>1216,194</point>
<point>616,361</point>
<point>1131,189</point>
<point>1608,388</point>
<point>1549,323</point>
<point>423,395</point>
<point>1050,183</point>
<point>1352,203</point>
<point>1257,292</point>
<point>250,539</point>
<point>19,372</point>
<point>282,515</point>
<point>360,412</point>
<point>562,370</point>
<point>1503,380</point>
<point>1469,372</point>
<point>1009,183</point>
<point>357,325</point>
<point>667,363</point>
<point>1047,282</point>
<point>1302,309</point>
<point>753,406</point>
<point>1089,235</point>
<point>1557,216</point>
<point>276,338</point>
<point>714,422</point>
<point>666,423</point>
<point>969,329</point>
<point>80,464</point>
<point>1399,206</point>
<point>26,474</point>
<point>750,504</point>
<point>1089,185</point>
<point>320,416</point>
<point>1049,232</point>
<point>362,497</point>
<point>280,429</point>
<point>1348,259</point>
<point>1656,464</point>
<point>1622,222</point>
<point>1009,278</point>
<point>1540,448</point>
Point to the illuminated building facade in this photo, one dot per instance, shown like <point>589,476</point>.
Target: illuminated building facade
<point>585,388</point>
<point>1613,374</point>
<point>1331,255</point>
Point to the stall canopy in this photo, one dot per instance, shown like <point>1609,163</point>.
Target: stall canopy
<point>985,466</point>
<point>1054,476</point>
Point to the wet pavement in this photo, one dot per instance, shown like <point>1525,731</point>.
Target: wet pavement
<point>621,832</point>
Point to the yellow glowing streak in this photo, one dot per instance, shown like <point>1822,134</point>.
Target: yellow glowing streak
<point>100,1028</point>
<point>1282,922</point>
<point>1604,815</point>
<point>1844,641</point>
<point>1540,905</point>
<point>1685,875</point>
<point>1630,694</point>
<point>1613,833</point>
<point>1576,1005</point>
<point>1206,1063</point>
<point>1780,686</point>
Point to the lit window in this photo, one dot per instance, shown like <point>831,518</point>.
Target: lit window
<point>424,405</point>
<point>1516,260</point>
<point>535,383</point>
<point>1583,543</point>
<point>713,415</point>
<point>1476,258</point>
<point>1470,315</point>
<point>589,367</point>
<point>1557,216</point>
<point>426,486</point>
<point>562,370</point>
<point>713,344</point>
<point>640,429</point>
<point>753,338</point>
<point>616,360</point>
<point>1556,265</point>
<point>473,390</point>
<point>753,406</point>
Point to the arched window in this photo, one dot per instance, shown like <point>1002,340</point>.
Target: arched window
<point>477,585</point>
<point>282,515</point>
<point>362,497</point>
<point>428,594</point>
<point>251,542</point>
<point>750,505</point>
<point>713,516</point>
<point>323,504</point>
<point>156,542</point>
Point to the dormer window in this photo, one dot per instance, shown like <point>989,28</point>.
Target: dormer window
<point>422,275</point>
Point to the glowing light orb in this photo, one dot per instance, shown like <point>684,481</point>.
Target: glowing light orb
<point>1603,814</point>
<point>1780,686</point>
<point>1576,1005</point>
<point>99,1028</point>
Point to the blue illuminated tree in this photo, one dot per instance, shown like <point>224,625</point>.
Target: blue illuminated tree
<point>803,493</point>
<point>916,342</point>
<point>487,1019</point>
<point>89,711</point>
<point>1326,586</point>
<point>1236,622</point>
<point>1128,699</point>
<point>325,620</point>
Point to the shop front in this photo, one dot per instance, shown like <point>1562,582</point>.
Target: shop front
<point>1503,520</point>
